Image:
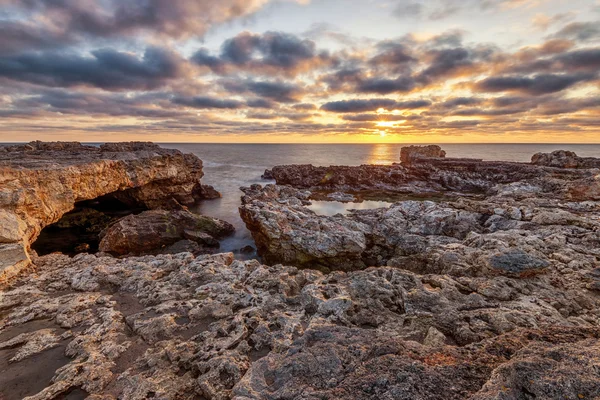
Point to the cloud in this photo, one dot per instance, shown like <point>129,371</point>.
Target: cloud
<point>355,106</point>
<point>164,18</point>
<point>536,85</point>
<point>386,86</point>
<point>275,90</point>
<point>105,68</point>
<point>374,117</point>
<point>543,22</point>
<point>263,53</point>
<point>460,101</point>
<point>207,102</point>
<point>581,31</point>
<point>304,107</point>
<point>408,9</point>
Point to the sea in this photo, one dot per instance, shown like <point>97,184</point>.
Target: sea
<point>228,167</point>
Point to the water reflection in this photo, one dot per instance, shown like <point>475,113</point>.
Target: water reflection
<point>383,153</point>
<point>330,208</point>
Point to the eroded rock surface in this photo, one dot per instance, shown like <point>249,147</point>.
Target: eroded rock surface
<point>503,234</point>
<point>152,232</point>
<point>40,182</point>
<point>410,153</point>
<point>427,176</point>
<point>179,327</point>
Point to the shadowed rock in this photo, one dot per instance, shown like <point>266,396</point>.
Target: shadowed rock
<point>152,231</point>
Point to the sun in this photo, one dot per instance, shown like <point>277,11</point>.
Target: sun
<point>382,134</point>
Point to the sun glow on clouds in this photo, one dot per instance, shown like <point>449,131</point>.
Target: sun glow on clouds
<point>444,75</point>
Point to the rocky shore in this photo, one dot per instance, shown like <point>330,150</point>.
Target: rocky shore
<point>40,182</point>
<point>487,287</point>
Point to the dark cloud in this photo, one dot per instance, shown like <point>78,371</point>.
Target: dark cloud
<point>468,112</point>
<point>261,103</point>
<point>581,31</point>
<point>374,117</point>
<point>276,90</point>
<point>171,18</point>
<point>508,101</point>
<point>304,106</point>
<point>109,104</point>
<point>392,53</point>
<point>267,52</point>
<point>344,77</point>
<point>539,84</point>
<point>356,106</point>
<point>445,62</point>
<point>461,101</point>
<point>202,57</point>
<point>587,59</point>
<point>385,86</point>
<point>105,68</point>
<point>207,102</point>
<point>17,35</point>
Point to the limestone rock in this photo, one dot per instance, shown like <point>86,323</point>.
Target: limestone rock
<point>409,153</point>
<point>564,159</point>
<point>152,231</point>
<point>180,327</point>
<point>40,182</point>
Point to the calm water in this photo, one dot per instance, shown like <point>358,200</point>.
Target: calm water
<point>229,166</point>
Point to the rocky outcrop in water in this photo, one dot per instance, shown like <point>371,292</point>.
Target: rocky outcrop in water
<point>426,176</point>
<point>179,327</point>
<point>564,159</point>
<point>409,153</point>
<point>155,231</point>
<point>40,182</point>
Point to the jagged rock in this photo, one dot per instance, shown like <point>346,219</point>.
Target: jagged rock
<point>152,231</point>
<point>341,197</point>
<point>267,175</point>
<point>175,326</point>
<point>285,231</point>
<point>517,262</point>
<point>410,153</point>
<point>247,250</point>
<point>40,182</point>
<point>564,159</point>
<point>425,176</point>
<point>208,192</point>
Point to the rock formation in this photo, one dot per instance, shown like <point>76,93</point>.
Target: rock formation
<point>179,327</point>
<point>564,159</point>
<point>409,153</point>
<point>154,231</point>
<point>426,176</point>
<point>488,287</point>
<point>40,182</point>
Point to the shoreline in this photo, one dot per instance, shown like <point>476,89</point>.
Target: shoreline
<point>462,297</point>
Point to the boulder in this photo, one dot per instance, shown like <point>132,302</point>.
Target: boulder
<point>409,153</point>
<point>151,231</point>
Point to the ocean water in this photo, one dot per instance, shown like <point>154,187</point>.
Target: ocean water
<point>229,166</point>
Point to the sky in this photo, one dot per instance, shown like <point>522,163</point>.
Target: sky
<point>300,71</point>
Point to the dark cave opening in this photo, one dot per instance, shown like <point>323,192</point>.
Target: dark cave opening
<point>78,231</point>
